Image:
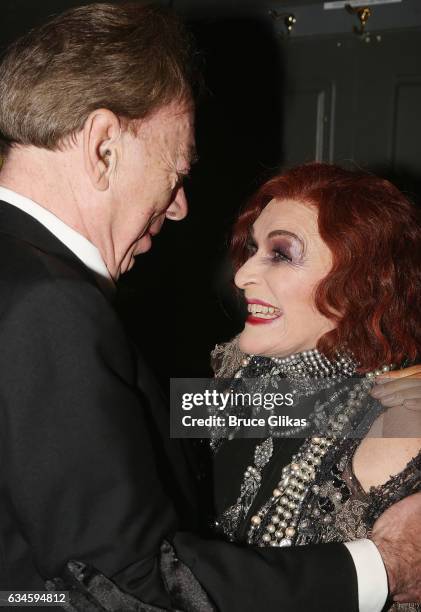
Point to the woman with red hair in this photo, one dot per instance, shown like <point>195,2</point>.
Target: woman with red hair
<point>328,262</point>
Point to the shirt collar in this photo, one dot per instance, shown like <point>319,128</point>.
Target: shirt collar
<point>78,244</point>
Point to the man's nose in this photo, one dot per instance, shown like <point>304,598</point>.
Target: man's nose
<point>178,208</point>
<point>247,275</point>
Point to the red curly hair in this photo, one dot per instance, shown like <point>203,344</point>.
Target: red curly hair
<point>374,235</point>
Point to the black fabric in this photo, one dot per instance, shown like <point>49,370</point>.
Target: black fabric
<point>88,471</point>
<point>90,590</point>
<point>237,454</point>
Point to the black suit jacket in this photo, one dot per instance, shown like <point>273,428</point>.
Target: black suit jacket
<point>87,467</point>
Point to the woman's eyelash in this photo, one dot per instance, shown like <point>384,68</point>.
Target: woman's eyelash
<point>279,255</point>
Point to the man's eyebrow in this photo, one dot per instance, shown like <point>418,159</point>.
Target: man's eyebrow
<point>194,157</point>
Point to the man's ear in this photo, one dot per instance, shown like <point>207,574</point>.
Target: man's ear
<point>101,133</point>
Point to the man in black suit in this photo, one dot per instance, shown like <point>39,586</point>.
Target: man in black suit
<point>96,120</point>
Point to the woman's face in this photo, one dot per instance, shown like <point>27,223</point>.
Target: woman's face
<point>287,261</point>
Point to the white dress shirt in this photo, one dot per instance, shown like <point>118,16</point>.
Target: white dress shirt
<point>78,244</point>
<point>371,573</point>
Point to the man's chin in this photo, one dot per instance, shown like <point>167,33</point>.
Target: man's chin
<point>143,245</point>
<point>130,264</point>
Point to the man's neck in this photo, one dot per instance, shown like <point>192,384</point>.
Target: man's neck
<point>74,241</point>
<point>40,175</point>
<point>57,181</point>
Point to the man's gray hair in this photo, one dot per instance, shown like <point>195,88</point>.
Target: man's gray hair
<point>129,58</point>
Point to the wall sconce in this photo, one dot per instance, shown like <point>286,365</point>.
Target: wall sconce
<point>363,13</point>
<point>289,20</point>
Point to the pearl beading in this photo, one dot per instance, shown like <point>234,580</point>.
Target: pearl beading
<point>307,372</point>
<point>307,364</point>
<point>299,476</point>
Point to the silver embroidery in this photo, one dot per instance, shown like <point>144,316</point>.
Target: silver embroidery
<point>235,514</point>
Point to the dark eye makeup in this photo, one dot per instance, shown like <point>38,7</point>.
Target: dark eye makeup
<point>287,248</point>
<point>281,247</point>
<point>279,254</point>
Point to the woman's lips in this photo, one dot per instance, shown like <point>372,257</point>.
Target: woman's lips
<point>261,312</point>
<point>261,302</point>
<point>253,320</point>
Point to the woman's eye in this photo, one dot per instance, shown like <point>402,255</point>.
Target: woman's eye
<point>278,255</point>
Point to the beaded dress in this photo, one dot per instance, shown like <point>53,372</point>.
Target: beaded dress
<point>288,492</point>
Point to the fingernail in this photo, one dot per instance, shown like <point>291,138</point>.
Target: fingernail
<point>412,404</point>
<point>377,392</point>
<point>380,380</point>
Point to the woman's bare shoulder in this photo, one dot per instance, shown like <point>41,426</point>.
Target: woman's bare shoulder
<point>378,458</point>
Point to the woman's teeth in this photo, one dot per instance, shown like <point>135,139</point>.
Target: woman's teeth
<point>265,312</point>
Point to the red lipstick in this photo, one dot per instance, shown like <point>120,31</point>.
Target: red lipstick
<point>259,321</point>
<point>254,320</point>
<point>261,302</point>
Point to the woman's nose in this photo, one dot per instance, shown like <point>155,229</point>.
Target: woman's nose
<point>246,275</point>
<point>178,208</point>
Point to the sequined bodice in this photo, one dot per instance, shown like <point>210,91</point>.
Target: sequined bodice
<point>338,509</point>
<point>349,509</point>
<point>345,511</point>
<point>331,507</point>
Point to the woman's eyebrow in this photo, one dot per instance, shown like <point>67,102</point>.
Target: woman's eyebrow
<point>281,232</point>
<point>278,232</point>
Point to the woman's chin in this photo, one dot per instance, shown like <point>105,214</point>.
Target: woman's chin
<point>250,346</point>
<point>254,344</point>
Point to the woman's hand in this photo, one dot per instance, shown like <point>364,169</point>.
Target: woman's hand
<point>399,388</point>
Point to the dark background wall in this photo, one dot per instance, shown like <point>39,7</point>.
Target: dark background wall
<point>271,101</point>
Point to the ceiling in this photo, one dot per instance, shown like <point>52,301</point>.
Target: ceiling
<point>239,4</point>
